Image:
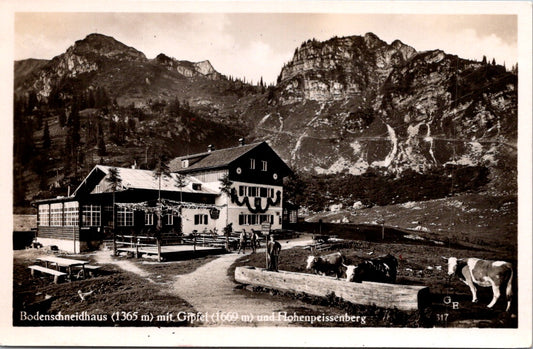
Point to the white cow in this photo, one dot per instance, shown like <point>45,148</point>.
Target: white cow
<point>485,273</point>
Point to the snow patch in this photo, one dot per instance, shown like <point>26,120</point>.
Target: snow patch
<point>335,208</point>
<point>358,205</point>
<point>411,204</point>
<point>413,237</point>
<point>390,157</point>
<point>342,164</point>
<point>356,146</point>
<point>263,120</point>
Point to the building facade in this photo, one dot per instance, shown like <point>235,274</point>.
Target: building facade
<point>191,199</point>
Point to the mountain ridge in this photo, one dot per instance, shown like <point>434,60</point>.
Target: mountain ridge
<point>348,105</point>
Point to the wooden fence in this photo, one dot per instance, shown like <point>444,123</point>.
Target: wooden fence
<point>205,240</point>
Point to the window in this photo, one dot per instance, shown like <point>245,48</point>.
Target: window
<point>44,215</point>
<point>148,219</point>
<point>200,219</point>
<point>56,214</point>
<point>90,215</point>
<point>265,164</point>
<point>197,186</point>
<point>124,217</point>
<point>185,163</point>
<point>248,219</point>
<point>256,191</point>
<point>169,219</point>
<point>252,164</point>
<point>71,213</point>
<point>98,189</point>
<point>266,218</point>
<point>252,191</point>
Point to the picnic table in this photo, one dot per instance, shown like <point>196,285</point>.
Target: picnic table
<point>67,263</point>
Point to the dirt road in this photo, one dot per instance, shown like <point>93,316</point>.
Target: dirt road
<point>210,291</point>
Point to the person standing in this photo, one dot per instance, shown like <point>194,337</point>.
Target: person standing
<point>273,252</point>
<point>242,242</point>
<point>253,241</point>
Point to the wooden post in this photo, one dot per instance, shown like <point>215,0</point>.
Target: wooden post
<point>158,250</point>
<point>382,222</point>
<point>266,251</point>
<point>74,238</point>
<point>137,249</point>
<point>114,244</point>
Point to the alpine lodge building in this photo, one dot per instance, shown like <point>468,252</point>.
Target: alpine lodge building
<point>190,199</point>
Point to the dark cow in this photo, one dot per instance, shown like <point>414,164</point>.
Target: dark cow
<point>380,269</point>
<point>485,273</point>
<point>331,263</point>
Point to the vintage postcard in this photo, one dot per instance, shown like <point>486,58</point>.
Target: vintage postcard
<point>267,174</point>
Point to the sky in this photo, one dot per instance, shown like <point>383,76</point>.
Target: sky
<point>255,45</point>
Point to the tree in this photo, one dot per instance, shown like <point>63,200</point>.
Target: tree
<point>114,180</point>
<point>181,182</point>
<point>225,187</point>
<point>61,118</point>
<point>46,136</point>
<point>32,102</point>
<point>484,61</point>
<point>100,141</point>
<point>174,109</point>
<point>161,169</point>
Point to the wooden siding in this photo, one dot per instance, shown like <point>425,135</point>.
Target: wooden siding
<point>64,233</point>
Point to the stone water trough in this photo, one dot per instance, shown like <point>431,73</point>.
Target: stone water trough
<point>402,297</point>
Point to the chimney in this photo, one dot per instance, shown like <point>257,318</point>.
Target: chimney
<point>210,148</point>
<point>241,141</point>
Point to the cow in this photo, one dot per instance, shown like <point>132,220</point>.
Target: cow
<point>331,263</point>
<point>380,269</point>
<point>485,273</point>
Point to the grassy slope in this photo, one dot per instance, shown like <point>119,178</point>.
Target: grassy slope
<point>113,290</point>
<point>469,219</point>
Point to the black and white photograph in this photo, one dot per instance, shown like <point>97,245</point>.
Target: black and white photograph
<point>254,174</point>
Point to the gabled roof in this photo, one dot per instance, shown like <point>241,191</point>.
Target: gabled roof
<point>211,160</point>
<point>141,179</point>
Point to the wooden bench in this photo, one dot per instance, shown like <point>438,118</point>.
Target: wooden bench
<point>90,269</point>
<point>44,270</point>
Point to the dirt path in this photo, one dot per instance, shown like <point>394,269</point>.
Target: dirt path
<point>210,291</point>
<point>104,257</point>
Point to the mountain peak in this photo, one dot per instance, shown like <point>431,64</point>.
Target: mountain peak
<point>107,46</point>
<point>372,40</point>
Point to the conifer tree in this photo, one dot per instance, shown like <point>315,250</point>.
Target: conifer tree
<point>114,180</point>
<point>46,136</point>
<point>100,139</point>
<point>161,169</point>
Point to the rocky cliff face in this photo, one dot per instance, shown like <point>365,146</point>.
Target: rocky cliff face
<point>355,104</point>
<point>94,52</point>
<point>189,69</point>
<point>339,68</point>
